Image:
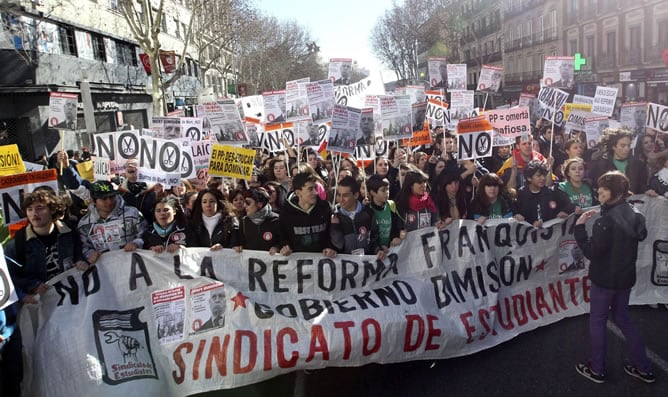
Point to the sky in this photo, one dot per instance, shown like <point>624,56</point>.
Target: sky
<point>341,28</point>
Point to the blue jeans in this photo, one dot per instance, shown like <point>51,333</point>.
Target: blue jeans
<point>601,301</point>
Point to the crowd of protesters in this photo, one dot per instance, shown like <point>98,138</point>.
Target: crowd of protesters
<point>328,205</point>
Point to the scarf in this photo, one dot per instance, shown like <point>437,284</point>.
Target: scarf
<point>419,203</point>
<point>351,214</point>
<point>210,222</point>
<point>163,232</point>
<point>259,216</point>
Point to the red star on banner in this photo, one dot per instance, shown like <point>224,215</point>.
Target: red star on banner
<point>239,300</point>
<point>541,266</point>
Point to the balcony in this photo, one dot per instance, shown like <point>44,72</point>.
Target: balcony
<point>522,8</point>
<point>606,60</point>
<point>631,57</point>
<point>514,45</point>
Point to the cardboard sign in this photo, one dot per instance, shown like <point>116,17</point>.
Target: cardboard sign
<point>231,161</point>
<point>11,162</point>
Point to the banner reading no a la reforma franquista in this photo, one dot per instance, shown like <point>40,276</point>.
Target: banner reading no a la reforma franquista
<point>142,324</point>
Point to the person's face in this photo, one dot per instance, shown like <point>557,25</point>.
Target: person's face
<point>70,111</point>
<point>443,70</point>
<point>179,189</point>
<point>238,202</point>
<point>345,70</point>
<point>280,172</point>
<point>313,161</point>
<point>328,164</point>
<point>503,151</point>
<point>566,70</point>
<point>131,172</point>
<point>382,167</point>
<point>526,148</point>
<point>367,124</point>
<point>381,196</point>
<point>622,149</point>
<point>604,195</point>
<point>440,166</point>
<point>492,192</point>
<point>419,188</point>
<point>449,144</point>
<point>209,204</point>
<point>402,175</point>
<point>39,215</point>
<point>576,172</point>
<point>191,201</point>
<point>535,145</point>
<point>272,194</point>
<point>648,144</point>
<point>164,214</point>
<point>575,150</point>
<point>346,199</point>
<point>452,187</point>
<point>344,173</point>
<point>105,205</point>
<point>422,162</point>
<point>401,155</point>
<point>537,181</point>
<point>251,206</point>
<point>217,303</point>
<point>307,194</point>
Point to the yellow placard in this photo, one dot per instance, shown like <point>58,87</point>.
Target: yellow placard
<point>569,107</point>
<point>11,162</point>
<point>85,169</point>
<point>231,161</point>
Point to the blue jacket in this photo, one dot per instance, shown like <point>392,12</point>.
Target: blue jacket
<point>27,254</point>
<point>7,324</point>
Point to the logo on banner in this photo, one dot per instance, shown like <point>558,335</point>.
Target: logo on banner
<point>659,263</point>
<point>267,236</point>
<point>123,346</point>
<point>570,257</point>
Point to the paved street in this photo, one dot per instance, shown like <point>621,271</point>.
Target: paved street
<point>538,363</point>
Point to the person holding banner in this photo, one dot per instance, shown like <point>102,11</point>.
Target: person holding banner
<point>415,204</point>
<point>492,200</point>
<point>212,223</point>
<point>260,228</point>
<point>168,232</point>
<point>110,224</point>
<point>388,219</point>
<point>536,203</point>
<point>659,181</point>
<point>612,250</point>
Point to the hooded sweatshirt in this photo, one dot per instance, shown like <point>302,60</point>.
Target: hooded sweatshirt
<point>305,231</point>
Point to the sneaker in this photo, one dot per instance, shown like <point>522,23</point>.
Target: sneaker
<point>585,370</point>
<point>646,377</point>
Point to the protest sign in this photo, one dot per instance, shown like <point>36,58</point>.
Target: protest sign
<point>339,70</point>
<point>419,138</point>
<point>7,291</point>
<point>604,101</point>
<point>253,106</point>
<point>456,77</point>
<point>437,113</point>
<point>576,120</point>
<point>559,72</point>
<point>166,127</point>
<point>85,169</point>
<point>593,128</point>
<point>551,100</point>
<point>509,123</point>
<point>231,161</point>
<point>632,115</point>
<point>657,117</point>
<point>320,100</point>
<point>583,99</point>
<point>11,162</point>
<point>525,99</point>
<point>438,72</point>
<point>101,168</point>
<point>192,128</point>
<point>354,94</point>
<point>439,294</point>
<point>569,107</point>
<point>276,136</point>
<point>490,78</point>
<point>12,189</point>
<point>371,152</point>
<point>474,138</point>
<point>63,110</point>
<point>296,99</point>
<point>461,107</point>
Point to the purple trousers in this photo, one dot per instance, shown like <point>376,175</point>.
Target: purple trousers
<point>602,301</point>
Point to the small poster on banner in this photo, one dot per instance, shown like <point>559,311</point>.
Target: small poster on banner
<point>633,115</point>
<point>438,72</point>
<point>490,78</point>
<point>169,308</point>
<point>207,307</point>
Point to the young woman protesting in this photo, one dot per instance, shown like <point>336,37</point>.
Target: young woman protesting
<point>491,201</point>
<point>579,192</point>
<point>168,231</point>
<point>212,222</point>
<point>415,204</point>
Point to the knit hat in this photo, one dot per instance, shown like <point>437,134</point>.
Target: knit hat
<point>102,189</point>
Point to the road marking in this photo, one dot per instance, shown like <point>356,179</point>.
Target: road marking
<point>658,362</point>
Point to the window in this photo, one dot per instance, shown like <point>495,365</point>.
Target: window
<point>177,28</point>
<point>195,68</point>
<point>663,32</point>
<point>114,6</point>
<point>634,37</point>
<point>590,50</point>
<point>98,48</point>
<point>67,42</point>
<point>611,42</point>
<point>573,46</point>
<point>126,54</point>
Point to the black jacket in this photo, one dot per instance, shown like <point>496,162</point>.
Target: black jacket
<point>613,245</point>
<point>544,205</point>
<point>358,233</point>
<point>305,231</point>
<point>263,236</point>
<point>226,233</point>
<point>635,171</point>
<point>152,238</point>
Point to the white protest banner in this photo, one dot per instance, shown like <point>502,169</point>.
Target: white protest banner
<point>274,106</point>
<point>346,122</point>
<point>166,156</point>
<point>632,115</point>
<point>439,294</point>
<point>371,152</point>
<point>551,100</point>
<point>226,125</point>
<point>296,99</point>
<point>657,117</point>
<point>490,78</point>
<point>101,168</point>
<point>33,166</point>
<point>7,291</point>
<point>559,72</point>
<point>13,187</point>
<point>253,106</point>
<point>593,128</point>
<point>437,113</point>
<point>576,120</point>
<point>166,127</point>
<point>63,110</point>
<point>461,107</point>
<point>474,138</point>
<point>583,99</point>
<point>192,128</point>
<point>320,100</point>
<point>509,123</point>
<point>456,77</point>
<point>438,72</point>
<point>604,101</point>
<point>354,94</point>
<point>253,129</point>
<point>272,139</point>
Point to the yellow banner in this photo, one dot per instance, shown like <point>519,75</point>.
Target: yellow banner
<point>569,107</point>
<point>86,170</point>
<point>11,162</point>
<point>231,161</point>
